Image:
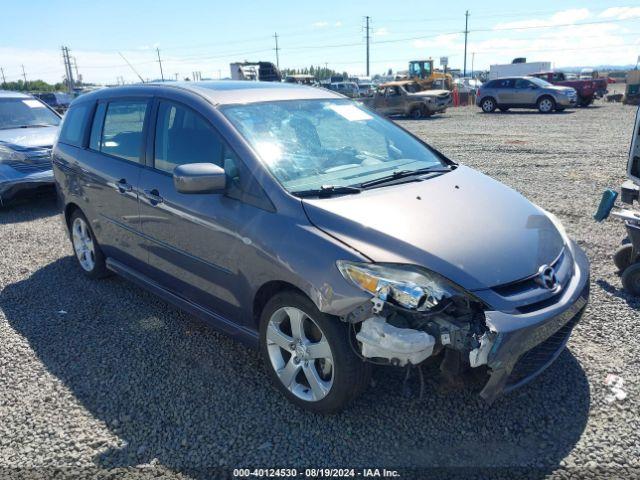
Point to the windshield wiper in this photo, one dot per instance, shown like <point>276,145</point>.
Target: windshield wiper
<point>35,125</point>
<point>400,174</point>
<point>327,191</point>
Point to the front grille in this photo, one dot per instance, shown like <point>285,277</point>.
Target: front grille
<point>37,159</point>
<point>534,361</point>
<point>31,167</point>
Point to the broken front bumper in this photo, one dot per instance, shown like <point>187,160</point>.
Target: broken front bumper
<point>14,182</point>
<point>526,344</point>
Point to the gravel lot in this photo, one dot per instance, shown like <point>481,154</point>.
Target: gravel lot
<point>98,375</point>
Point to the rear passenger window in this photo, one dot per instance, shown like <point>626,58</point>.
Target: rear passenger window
<point>72,132</point>
<point>122,129</point>
<point>183,136</point>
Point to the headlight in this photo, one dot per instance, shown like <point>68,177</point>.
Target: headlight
<point>409,286</point>
<point>558,224</point>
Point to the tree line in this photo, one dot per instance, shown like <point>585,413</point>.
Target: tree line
<point>33,86</point>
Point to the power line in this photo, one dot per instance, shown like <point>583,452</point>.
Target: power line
<point>131,66</point>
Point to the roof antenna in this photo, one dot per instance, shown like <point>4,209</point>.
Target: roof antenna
<point>131,67</point>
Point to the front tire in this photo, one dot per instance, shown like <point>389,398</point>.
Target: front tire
<point>631,279</point>
<point>488,105</point>
<point>86,248</point>
<point>546,105</point>
<point>308,354</point>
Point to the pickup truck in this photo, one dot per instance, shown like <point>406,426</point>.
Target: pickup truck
<point>405,98</point>
<point>587,90</point>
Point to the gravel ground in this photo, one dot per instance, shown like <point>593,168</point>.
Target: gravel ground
<point>101,375</point>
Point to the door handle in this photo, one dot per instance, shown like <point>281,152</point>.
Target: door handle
<point>123,186</point>
<point>153,196</point>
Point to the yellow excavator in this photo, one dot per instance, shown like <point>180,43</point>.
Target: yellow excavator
<point>423,73</point>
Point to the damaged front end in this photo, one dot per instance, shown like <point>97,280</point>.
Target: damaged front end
<point>24,170</point>
<point>415,314</point>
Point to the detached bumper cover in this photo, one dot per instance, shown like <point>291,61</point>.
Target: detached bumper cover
<point>13,182</point>
<point>526,344</point>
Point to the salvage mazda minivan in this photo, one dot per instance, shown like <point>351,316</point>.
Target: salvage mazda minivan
<point>303,223</point>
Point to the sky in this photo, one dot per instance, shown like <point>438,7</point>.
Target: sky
<point>205,36</point>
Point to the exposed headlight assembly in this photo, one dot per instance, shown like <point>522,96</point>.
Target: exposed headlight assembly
<point>409,286</point>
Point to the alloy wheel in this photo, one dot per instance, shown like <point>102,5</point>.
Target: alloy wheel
<point>546,105</point>
<point>83,244</point>
<point>300,354</point>
<point>488,105</point>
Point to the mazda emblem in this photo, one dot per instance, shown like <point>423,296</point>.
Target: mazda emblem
<point>547,277</point>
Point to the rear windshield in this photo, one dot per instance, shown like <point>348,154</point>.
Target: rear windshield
<point>25,113</point>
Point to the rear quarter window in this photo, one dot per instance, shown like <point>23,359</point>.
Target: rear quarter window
<point>73,125</point>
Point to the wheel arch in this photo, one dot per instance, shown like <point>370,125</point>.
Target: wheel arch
<point>267,291</point>
<point>68,212</point>
<point>546,95</point>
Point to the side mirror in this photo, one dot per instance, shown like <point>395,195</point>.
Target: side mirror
<point>533,87</point>
<point>199,178</point>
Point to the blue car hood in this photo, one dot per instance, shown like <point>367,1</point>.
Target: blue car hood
<point>29,137</point>
<point>464,225</point>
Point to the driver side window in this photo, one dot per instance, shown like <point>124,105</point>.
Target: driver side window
<point>521,83</point>
<point>183,136</point>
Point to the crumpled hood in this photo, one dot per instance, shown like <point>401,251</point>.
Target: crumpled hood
<point>464,225</point>
<point>29,137</point>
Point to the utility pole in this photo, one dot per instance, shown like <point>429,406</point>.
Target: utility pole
<point>367,27</point>
<point>75,67</point>
<point>466,33</point>
<point>4,81</point>
<point>275,35</point>
<point>25,77</point>
<point>67,68</point>
<point>160,62</point>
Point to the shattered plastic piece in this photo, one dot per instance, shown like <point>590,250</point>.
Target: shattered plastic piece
<point>378,305</point>
<point>478,356</point>
<point>399,345</point>
<point>616,386</point>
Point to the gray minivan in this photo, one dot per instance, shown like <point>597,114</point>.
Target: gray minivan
<point>306,225</point>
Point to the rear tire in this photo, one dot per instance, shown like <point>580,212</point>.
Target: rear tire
<point>585,102</point>
<point>631,279</point>
<point>417,113</point>
<point>546,104</point>
<point>86,248</point>
<point>488,105</point>
<point>308,354</point>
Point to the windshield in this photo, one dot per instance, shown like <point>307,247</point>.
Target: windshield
<point>25,112</point>
<point>540,82</point>
<point>308,144</point>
